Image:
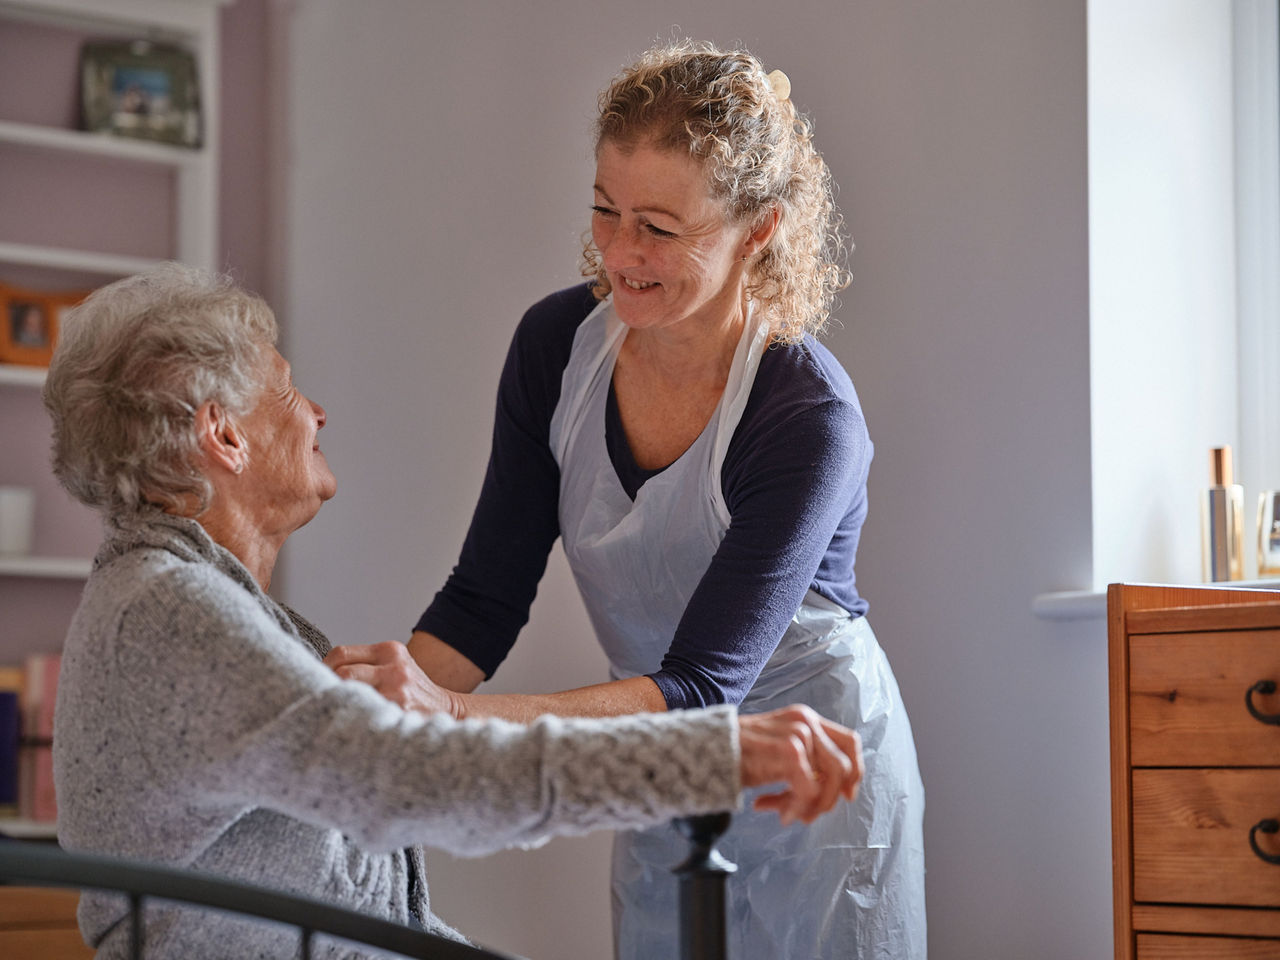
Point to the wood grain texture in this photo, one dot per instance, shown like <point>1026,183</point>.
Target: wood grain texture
<point>39,923</point>
<point>1173,947</point>
<point>24,907</point>
<point>1119,600</point>
<point>1187,699</point>
<point>43,945</point>
<point>1254,615</point>
<point>1223,921</point>
<point>1191,836</point>
<point>1200,871</point>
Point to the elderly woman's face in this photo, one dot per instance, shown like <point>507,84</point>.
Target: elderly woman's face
<point>289,475</point>
<point>668,250</point>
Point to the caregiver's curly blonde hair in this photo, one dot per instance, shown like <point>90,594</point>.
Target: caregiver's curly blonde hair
<point>758,153</point>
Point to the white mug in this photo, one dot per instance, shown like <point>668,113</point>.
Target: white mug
<point>17,519</point>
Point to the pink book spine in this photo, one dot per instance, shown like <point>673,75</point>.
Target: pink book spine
<point>37,799</point>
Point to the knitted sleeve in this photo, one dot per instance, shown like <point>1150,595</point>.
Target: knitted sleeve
<point>219,697</point>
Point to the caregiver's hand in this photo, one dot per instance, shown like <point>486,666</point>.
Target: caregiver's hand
<point>389,669</point>
<point>817,760</point>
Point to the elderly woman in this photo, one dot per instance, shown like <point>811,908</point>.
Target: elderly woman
<point>196,723</point>
<point>704,460</point>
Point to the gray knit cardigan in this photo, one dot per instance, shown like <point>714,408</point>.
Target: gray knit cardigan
<point>197,727</point>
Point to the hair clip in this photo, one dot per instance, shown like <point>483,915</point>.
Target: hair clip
<point>781,85</point>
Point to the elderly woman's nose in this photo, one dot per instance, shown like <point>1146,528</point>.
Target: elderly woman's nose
<point>321,416</point>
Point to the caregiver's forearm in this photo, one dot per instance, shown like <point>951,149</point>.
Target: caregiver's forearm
<point>617,697</point>
<point>443,664</point>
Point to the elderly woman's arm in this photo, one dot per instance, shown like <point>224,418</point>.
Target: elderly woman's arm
<point>817,761</point>
<point>222,710</point>
<point>220,707</point>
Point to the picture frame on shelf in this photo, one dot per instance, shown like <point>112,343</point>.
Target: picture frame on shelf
<point>140,89</point>
<point>29,323</point>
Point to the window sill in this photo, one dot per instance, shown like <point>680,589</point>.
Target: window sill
<point>1092,604</point>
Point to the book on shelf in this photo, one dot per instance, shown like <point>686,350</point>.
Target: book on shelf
<point>33,688</point>
<point>10,730</point>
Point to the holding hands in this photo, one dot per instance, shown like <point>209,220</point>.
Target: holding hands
<point>815,760</point>
<point>391,670</point>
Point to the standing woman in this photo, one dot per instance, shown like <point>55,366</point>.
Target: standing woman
<point>704,461</point>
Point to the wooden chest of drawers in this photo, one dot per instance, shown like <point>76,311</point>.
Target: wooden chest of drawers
<point>1195,772</point>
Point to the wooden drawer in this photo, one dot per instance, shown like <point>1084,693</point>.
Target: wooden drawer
<point>39,923</point>
<point>1191,837</point>
<point>37,906</point>
<point>54,944</point>
<point>1162,947</point>
<point>1187,699</point>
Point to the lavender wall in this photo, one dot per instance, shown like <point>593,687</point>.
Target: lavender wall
<point>440,188</point>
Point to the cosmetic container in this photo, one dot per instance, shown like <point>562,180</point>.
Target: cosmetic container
<point>1269,533</point>
<point>1222,522</point>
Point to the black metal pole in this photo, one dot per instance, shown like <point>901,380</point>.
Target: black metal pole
<point>702,888</point>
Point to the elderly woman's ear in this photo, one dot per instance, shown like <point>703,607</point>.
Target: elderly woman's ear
<point>220,440</point>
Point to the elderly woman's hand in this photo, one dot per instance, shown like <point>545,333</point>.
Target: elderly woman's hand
<point>389,669</point>
<point>818,761</point>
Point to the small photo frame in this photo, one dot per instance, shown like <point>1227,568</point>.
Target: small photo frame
<point>140,89</point>
<point>29,324</point>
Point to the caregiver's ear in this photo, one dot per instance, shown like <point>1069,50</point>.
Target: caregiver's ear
<point>761,231</point>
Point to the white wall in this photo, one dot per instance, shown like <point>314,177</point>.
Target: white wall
<point>1163,277</point>
<point>438,174</point>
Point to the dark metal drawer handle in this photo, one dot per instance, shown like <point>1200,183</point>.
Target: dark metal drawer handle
<point>1266,826</point>
<point>1263,687</point>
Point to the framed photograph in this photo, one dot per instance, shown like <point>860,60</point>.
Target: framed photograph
<point>29,323</point>
<point>140,89</point>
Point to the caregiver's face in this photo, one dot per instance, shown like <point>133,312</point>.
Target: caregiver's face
<point>670,253</point>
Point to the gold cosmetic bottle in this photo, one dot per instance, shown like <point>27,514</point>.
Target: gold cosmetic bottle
<point>1222,522</point>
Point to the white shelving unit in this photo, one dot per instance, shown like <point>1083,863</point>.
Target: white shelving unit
<point>15,376</point>
<point>38,593</point>
<point>192,24</point>
<point>48,568</point>
<point>21,829</point>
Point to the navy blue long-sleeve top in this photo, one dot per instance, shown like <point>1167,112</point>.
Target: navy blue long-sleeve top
<point>794,479</point>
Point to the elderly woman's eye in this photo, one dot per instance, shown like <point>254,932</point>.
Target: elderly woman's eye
<point>603,211</point>
<point>658,231</point>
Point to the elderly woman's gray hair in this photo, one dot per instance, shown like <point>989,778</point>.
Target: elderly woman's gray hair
<point>133,363</point>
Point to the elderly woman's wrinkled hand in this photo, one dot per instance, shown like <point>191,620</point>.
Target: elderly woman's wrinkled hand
<point>817,760</point>
<point>389,669</point>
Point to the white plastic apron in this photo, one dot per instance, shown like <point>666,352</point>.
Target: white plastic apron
<point>851,885</point>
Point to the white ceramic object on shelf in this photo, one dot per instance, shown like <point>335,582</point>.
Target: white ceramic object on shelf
<point>17,520</point>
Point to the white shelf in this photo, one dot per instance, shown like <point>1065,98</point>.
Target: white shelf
<point>17,376</point>
<point>99,145</point>
<point>106,264</point>
<point>49,568</point>
<point>28,829</point>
